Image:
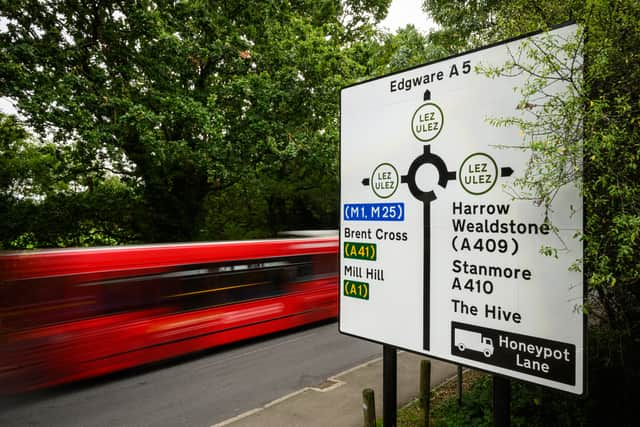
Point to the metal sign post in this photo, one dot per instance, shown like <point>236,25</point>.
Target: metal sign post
<point>389,385</point>
<point>501,401</point>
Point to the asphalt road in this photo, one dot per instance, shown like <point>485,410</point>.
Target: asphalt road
<point>198,390</point>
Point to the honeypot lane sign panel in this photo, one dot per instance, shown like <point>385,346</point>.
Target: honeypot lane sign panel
<point>437,256</point>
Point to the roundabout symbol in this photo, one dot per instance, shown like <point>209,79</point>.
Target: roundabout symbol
<point>426,197</point>
<point>443,175</point>
<point>478,174</point>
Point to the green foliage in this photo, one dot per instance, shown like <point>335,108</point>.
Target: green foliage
<point>46,199</point>
<point>407,48</point>
<point>470,24</point>
<point>531,406</point>
<point>463,25</point>
<point>475,409</point>
<point>551,120</point>
<point>182,103</point>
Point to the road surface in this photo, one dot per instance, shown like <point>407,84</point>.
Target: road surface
<point>196,390</point>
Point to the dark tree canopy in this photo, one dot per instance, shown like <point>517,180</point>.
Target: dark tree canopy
<point>188,105</point>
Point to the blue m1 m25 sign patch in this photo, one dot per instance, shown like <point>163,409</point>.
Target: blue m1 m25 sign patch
<point>374,211</point>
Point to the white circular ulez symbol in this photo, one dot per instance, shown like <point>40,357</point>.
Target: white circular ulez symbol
<point>384,180</point>
<point>427,122</point>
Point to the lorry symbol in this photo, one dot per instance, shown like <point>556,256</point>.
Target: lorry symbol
<point>469,340</point>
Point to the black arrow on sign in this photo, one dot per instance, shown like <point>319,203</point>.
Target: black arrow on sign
<point>507,171</point>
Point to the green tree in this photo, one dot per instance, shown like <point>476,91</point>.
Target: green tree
<point>193,102</point>
<point>42,202</point>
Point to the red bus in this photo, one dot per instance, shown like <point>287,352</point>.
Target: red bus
<point>76,313</point>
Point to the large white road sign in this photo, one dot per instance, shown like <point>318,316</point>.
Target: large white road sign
<point>438,257</point>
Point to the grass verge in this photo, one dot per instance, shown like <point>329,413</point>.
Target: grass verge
<point>531,406</point>
<point>444,405</point>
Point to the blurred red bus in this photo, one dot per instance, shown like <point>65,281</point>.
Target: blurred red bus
<point>75,313</point>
